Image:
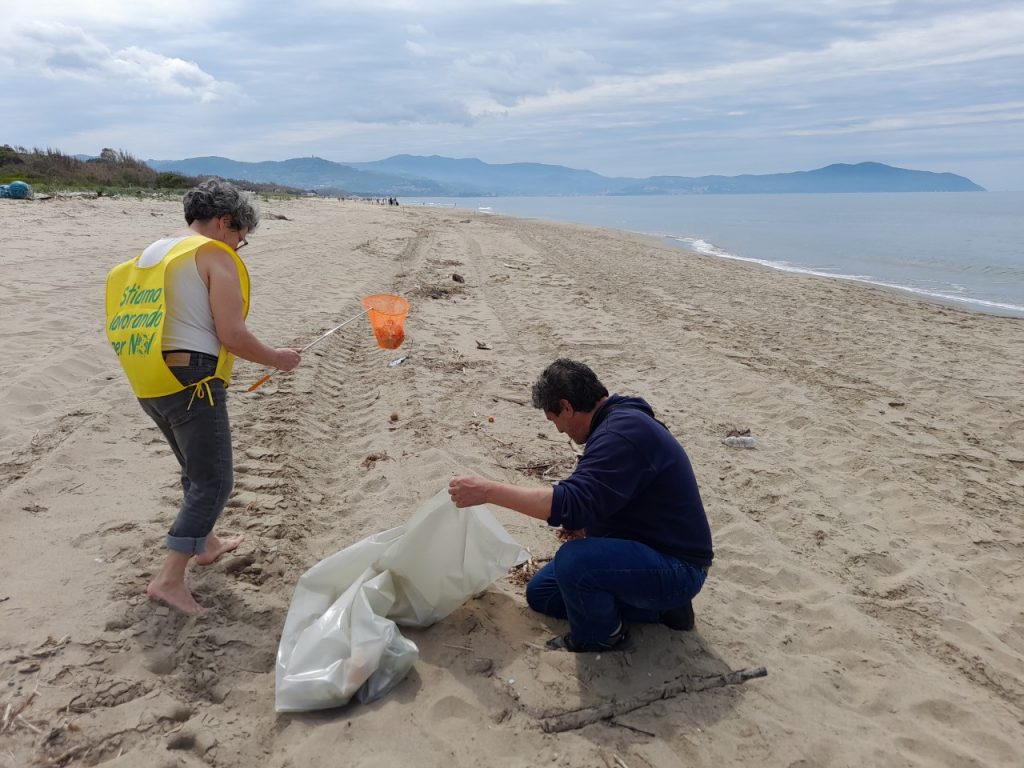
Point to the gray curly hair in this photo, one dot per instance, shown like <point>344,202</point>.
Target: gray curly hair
<point>214,198</point>
<point>570,380</point>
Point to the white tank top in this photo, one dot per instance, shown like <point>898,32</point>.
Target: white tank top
<point>189,321</point>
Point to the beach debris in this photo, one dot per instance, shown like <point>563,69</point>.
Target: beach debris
<point>516,400</point>
<point>541,469</point>
<point>445,291</point>
<point>490,419</point>
<point>739,438</point>
<point>522,573</point>
<point>373,458</point>
<point>398,361</point>
<point>394,415</point>
<point>740,441</point>
<point>458,278</point>
<point>578,718</point>
<point>278,216</point>
<point>483,345</point>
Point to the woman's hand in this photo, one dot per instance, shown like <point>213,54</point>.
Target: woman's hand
<point>287,358</point>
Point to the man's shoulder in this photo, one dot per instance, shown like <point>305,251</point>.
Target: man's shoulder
<point>627,413</point>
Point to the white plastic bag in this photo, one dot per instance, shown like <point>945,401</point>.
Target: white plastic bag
<point>340,638</point>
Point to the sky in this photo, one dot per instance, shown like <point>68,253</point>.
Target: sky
<point>640,88</point>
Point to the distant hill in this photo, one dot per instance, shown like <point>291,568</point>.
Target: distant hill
<point>862,177</point>
<point>475,177</point>
<point>311,173</point>
<point>435,176</point>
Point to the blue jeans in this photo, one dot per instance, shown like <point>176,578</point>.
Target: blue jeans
<point>598,583</point>
<point>200,437</point>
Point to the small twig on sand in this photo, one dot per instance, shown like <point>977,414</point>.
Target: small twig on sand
<point>545,465</point>
<point>633,728</point>
<point>459,647</point>
<point>11,713</point>
<point>22,721</point>
<point>71,754</point>
<point>568,721</point>
<point>515,400</point>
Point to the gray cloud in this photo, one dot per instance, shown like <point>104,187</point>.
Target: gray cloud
<point>660,87</point>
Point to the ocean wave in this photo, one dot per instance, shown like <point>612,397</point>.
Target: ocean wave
<point>948,292</point>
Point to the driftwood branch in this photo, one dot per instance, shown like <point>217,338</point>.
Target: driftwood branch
<point>577,718</point>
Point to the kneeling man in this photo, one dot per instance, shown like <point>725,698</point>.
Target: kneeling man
<point>637,541</point>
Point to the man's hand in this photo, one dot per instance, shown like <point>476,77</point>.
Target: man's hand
<point>287,358</point>
<point>564,534</point>
<point>468,491</point>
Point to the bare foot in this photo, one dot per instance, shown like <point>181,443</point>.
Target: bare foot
<point>175,595</point>
<point>215,547</point>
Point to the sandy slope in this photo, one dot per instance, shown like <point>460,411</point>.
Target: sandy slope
<point>869,551</point>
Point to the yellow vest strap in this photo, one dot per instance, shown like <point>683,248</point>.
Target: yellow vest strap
<point>201,389</point>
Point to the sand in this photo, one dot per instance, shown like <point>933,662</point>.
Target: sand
<point>868,550</point>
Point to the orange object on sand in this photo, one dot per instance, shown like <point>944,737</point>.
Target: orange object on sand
<point>387,318</point>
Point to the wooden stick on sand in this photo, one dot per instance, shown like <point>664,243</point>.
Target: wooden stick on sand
<point>577,718</point>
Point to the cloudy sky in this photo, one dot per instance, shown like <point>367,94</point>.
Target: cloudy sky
<point>638,88</point>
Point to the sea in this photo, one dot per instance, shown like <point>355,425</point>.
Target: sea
<point>963,248</point>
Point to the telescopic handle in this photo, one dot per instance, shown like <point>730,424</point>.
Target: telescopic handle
<point>259,383</point>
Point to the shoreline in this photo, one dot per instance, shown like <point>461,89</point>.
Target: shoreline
<point>978,306</point>
<point>868,551</point>
<point>999,308</point>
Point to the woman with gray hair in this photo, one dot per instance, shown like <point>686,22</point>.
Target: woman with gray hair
<point>176,320</point>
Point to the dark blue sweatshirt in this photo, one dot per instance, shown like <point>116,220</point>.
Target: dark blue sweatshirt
<point>634,481</point>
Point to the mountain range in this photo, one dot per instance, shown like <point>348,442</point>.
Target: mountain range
<point>435,176</point>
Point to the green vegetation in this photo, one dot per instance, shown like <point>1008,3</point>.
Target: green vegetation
<point>113,172</point>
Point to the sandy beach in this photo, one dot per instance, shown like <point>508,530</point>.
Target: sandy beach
<point>869,550</point>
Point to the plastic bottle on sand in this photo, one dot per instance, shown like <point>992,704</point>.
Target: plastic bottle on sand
<point>740,441</point>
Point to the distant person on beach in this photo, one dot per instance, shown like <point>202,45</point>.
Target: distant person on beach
<point>176,319</point>
<point>637,542</point>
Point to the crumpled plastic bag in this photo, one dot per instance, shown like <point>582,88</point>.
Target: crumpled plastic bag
<point>340,637</point>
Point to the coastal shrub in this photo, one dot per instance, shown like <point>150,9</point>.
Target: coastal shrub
<point>114,171</point>
<point>9,156</point>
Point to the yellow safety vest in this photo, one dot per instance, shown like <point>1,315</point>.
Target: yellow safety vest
<point>136,310</point>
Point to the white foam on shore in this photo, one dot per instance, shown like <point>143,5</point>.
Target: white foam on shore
<point>709,249</point>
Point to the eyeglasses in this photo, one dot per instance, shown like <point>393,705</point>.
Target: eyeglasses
<point>241,244</point>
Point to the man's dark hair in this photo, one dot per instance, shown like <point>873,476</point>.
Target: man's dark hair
<point>568,380</point>
<point>214,198</point>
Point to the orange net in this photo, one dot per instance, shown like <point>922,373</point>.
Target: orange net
<point>387,318</point>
